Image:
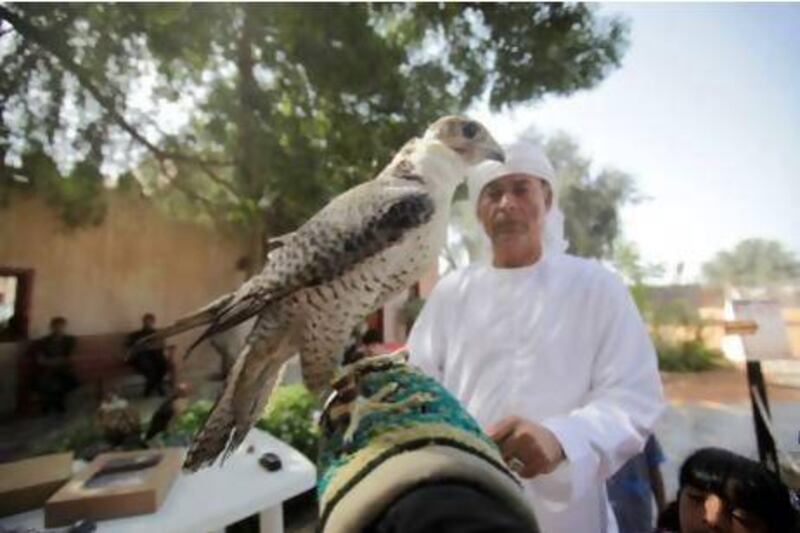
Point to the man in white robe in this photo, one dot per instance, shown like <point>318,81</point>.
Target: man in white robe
<point>546,350</point>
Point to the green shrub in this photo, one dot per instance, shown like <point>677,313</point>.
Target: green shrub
<point>290,417</point>
<point>81,436</point>
<point>688,356</point>
<point>192,419</point>
<point>184,427</point>
<point>86,439</point>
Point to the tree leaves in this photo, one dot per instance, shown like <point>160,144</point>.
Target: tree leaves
<point>289,104</point>
<point>753,262</point>
<point>76,197</point>
<point>591,203</point>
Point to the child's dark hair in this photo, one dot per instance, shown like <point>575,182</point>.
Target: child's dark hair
<point>372,336</point>
<point>743,483</point>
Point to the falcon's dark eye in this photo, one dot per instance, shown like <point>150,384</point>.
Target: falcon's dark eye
<point>470,130</point>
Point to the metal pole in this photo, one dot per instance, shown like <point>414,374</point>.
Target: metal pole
<point>766,445</point>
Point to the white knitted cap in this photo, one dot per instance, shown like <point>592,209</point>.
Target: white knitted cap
<point>523,157</point>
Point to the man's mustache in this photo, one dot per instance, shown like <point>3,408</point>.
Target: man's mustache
<point>505,223</point>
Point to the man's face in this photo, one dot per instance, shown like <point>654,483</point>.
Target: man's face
<point>149,321</point>
<point>512,211</point>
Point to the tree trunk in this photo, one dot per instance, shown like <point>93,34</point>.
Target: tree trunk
<point>248,165</point>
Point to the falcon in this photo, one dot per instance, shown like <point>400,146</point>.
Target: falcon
<point>323,279</point>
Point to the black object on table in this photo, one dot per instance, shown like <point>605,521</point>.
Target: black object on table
<point>270,461</point>
<point>84,526</point>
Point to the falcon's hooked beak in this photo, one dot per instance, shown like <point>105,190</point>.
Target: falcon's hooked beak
<point>493,151</point>
<point>496,155</point>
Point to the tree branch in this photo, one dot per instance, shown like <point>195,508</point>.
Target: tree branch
<point>46,42</point>
<point>210,207</point>
<point>216,178</point>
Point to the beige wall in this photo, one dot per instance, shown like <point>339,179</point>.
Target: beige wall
<point>792,317</point>
<point>714,333</point>
<point>102,279</point>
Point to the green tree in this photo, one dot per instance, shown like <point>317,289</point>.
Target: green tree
<point>591,202</point>
<point>254,115</point>
<point>664,314</point>
<point>752,262</point>
<point>636,273</point>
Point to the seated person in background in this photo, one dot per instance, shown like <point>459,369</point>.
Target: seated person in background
<point>149,360</point>
<point>633,488</point>
<point>54,378</point>
<point>722,492</point>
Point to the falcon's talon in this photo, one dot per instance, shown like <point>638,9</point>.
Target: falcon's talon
<point>363,407</point>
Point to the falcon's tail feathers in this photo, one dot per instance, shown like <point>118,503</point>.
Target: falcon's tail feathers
<point>249,385</point>
<point>213,437</point>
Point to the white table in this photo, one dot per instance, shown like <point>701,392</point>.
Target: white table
<point>216,497</point>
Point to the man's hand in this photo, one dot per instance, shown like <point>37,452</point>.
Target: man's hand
<point>535,448</point>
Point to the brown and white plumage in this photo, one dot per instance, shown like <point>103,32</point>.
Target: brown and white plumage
<point>320,281</point>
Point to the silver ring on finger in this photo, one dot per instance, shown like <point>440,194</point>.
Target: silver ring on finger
<point>516,464</point>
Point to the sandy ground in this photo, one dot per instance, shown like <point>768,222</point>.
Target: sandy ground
<point>718,387</point>
<point>713,409</point>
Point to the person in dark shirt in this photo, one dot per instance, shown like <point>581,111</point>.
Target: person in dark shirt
<point>633,488</point>
<point>149,360</point>
<point>54,378</point>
